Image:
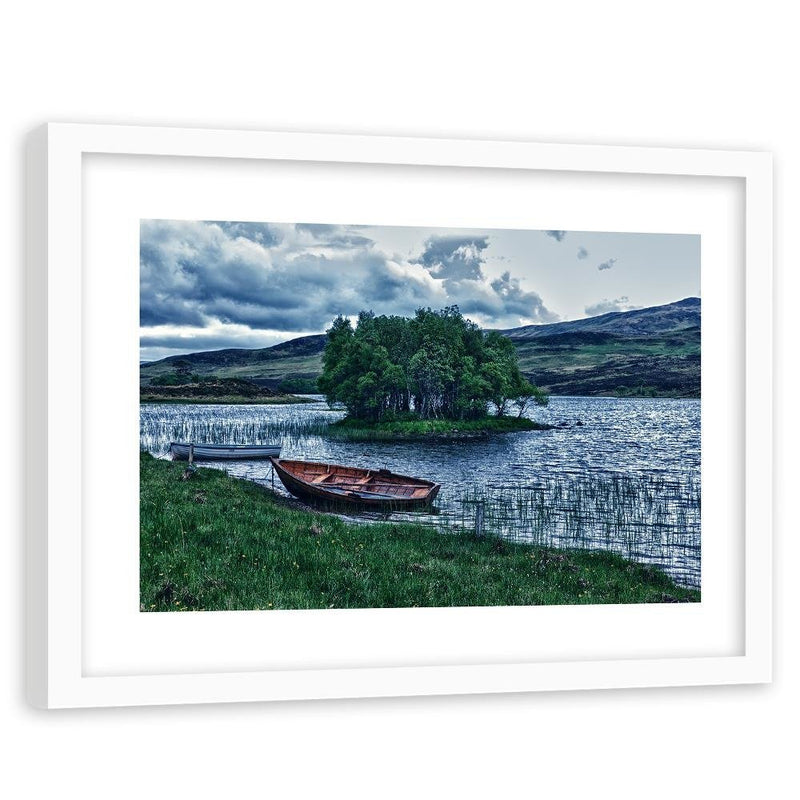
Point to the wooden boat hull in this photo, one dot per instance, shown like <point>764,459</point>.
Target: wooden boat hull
<point>334,484</point>
<point>223,452</point>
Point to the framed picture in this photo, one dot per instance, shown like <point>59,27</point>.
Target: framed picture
<point>324,416</point>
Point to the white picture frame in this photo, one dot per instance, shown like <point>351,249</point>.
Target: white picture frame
<point>65,629</point>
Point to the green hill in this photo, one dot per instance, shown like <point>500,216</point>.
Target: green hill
<point>292,366</point>
<point>649,351</point>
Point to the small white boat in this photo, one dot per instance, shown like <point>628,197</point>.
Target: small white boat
<point>222,452</point>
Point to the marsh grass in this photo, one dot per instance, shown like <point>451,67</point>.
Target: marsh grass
<point>649,518</point>
<point>222,426</point>
<point>217,543</point>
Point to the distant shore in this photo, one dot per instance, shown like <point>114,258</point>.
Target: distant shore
<point>216,391</point>
<point>275,400</point>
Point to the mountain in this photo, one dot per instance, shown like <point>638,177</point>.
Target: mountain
<point>641,322</point>
<point>650,351</point>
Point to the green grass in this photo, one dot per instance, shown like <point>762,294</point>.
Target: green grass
<point>217,543</point>
<point>358,430</point>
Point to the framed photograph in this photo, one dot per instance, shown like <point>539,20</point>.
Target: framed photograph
<point>326,416</point>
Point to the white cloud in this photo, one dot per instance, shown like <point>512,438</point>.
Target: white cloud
<point>606,306</point>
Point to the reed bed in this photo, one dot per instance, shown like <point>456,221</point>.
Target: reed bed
<point>216,426</point>
<point>647,518</point>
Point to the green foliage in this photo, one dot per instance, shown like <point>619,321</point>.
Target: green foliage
<point>196,389</point>
<point>437,365</point>
<point>298,386</point>
<point>167,380</point>
<point>177,379</point>
<point>218,543</point>
<point>636,391</point>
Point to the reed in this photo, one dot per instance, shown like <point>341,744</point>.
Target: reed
<point>215,425</point>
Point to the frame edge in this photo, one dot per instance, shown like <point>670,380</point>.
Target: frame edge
<point>35,420</point>
<point>44,694</point>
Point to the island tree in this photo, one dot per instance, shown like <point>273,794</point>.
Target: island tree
<point>436,365</point>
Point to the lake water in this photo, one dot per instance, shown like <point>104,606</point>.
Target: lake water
<point>626,479</point>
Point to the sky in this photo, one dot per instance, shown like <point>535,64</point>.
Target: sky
<point>208,285</point>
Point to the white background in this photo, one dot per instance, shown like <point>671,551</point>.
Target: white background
<point>120,191</point>
<point>610,73</point>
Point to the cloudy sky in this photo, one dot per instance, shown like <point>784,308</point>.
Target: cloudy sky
<point>212,285</point>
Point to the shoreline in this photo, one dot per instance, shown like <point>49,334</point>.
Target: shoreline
<point>215,542</point>
<point>300,400</point>
<point>417,430</point>
<point>233,400</point>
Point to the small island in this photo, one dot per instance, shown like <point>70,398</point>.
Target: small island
<point>412,428</point>
<point>436,375</point>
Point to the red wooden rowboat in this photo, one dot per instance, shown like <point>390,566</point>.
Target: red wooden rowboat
<point>374,489</point>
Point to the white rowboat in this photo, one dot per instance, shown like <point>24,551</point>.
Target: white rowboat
<point>222,452</point>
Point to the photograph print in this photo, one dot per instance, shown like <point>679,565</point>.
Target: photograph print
<point>338,416</point>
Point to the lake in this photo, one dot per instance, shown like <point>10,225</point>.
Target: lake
<point>621,474</point>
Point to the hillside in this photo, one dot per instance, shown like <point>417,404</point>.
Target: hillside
<point>651,351</point>
<point>641,322</point>
<point>292,366</point>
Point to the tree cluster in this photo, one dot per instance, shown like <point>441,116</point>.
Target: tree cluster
<point>436,365</point>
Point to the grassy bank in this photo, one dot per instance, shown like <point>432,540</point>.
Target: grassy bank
<point>214,543</point>
<point>358,430</point>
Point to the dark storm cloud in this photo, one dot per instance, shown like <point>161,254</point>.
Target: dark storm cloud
<point>606,306</point>
<point>517,302</point>
<point>583,253</point>
<point>607,264</point>
<point>262,276</point>
<point>161,311</point>
<point>458,261</point>
<point>454,258</point>
<point>387,285</point>
<point>210,285</point>
<point>557,235</point>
